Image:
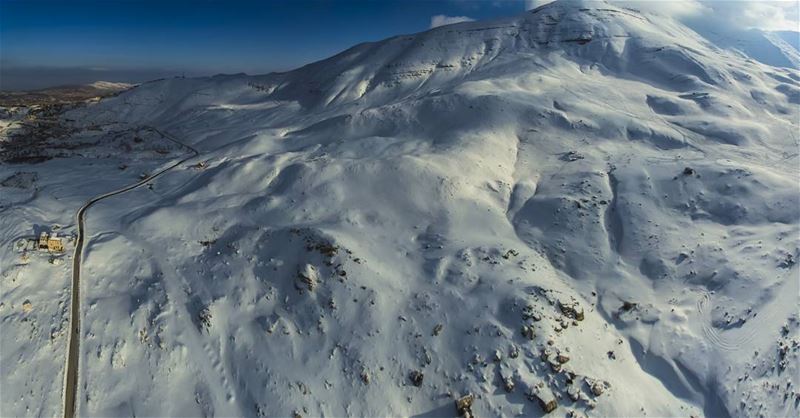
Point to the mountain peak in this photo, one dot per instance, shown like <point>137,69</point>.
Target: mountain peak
<point>589,33</point>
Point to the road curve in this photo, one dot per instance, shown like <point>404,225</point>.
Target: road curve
<point>74,336</point>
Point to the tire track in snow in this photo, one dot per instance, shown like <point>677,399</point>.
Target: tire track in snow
<point>716,337</point>
<point>711,334</point>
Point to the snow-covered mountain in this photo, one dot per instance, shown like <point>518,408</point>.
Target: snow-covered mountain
<point>583,204</point>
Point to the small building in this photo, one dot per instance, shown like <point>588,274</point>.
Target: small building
<point>43,238</point>
<point>55,244</point>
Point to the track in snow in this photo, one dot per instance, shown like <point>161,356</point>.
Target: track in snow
<point>714,336</point>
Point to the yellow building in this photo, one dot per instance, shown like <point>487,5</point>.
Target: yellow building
<point>54,244</point>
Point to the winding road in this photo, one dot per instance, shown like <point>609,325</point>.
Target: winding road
<point>74,339</point>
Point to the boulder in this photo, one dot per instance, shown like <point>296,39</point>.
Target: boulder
<point>541,394</point>
<point>464,405</point>
<point>597,386</point>
<point>528,332</point>
<point>307,277</point>
<point>571,309</point>
<point>498,356</point>
<point>416,376</point>
<point>508,384</point>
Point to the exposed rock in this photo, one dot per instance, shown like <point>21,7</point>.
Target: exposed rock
<point>464,405</point>
<point>416,377</point>
<point>555,365</point>
<point>597,386</point>
<point>513,352</point>
<point>572,156</point>
<point>207,243</point>
<point>477,359</point>
<point>498,356</point>
<point>528,332</point>
<point>574,392</point>
<point>437,329</point>
<point>508,384</point>
<point>569,376</point>
<point>528,312</point>
<point>541,394</point>
<point>307,277</point>
<point>204,319</point>
<point>27,306</point>
<point>575,414</point>
<point>788,261</point>
<point>571,309</point>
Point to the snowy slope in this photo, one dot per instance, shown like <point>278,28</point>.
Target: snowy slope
<point>778,49</point>
<point>583,202</point>
<point>790,37</point>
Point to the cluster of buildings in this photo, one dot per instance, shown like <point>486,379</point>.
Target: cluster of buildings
<point>47,241</point>
<point>51,242</point>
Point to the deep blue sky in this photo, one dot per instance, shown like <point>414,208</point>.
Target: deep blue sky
<point>45,43</point>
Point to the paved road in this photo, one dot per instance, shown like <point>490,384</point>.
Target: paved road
<point>71,372</point>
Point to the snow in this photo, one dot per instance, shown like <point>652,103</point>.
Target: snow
<point>110,85</point>
<point>452,195</point>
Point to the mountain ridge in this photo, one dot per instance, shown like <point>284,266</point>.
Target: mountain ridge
<point>604,226</point>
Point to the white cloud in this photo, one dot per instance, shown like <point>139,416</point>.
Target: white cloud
<point>532,4</point>
<point>441,20</point>
<point>674,8</point>
<point>742,14</point>
<point>768,15</point>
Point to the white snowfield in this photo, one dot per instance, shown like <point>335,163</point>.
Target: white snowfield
<point>109,85</point>
<point>583,206</point>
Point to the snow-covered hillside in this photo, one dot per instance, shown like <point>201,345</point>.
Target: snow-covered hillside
<point>583,204</point>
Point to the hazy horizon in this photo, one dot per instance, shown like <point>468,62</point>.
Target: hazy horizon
<point>46,43</point>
